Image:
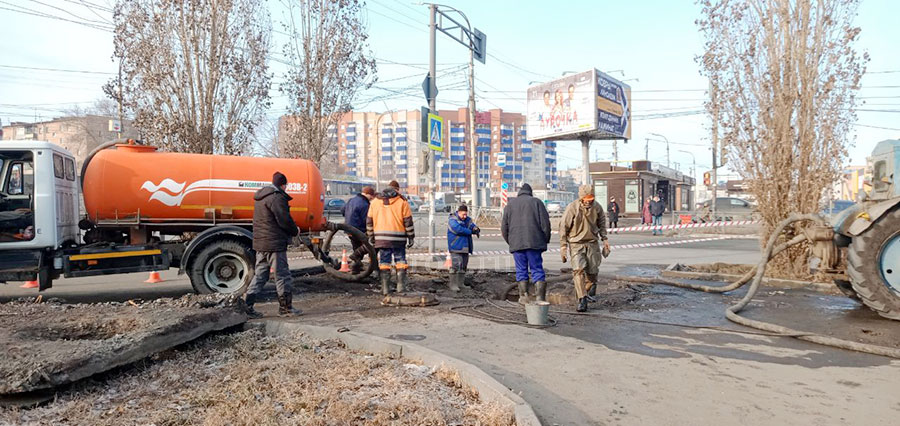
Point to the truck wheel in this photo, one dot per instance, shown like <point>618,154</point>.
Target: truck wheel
<point>224,266</point>
<point>873,264</point>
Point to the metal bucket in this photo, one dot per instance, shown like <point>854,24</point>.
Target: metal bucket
<point>537,313</point>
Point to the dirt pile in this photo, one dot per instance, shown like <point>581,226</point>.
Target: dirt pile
<point>49,344</point>
<point>248,378</point>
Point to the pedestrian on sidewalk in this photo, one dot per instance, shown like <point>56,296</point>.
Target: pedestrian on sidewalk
<point>460,228</point>
<point>389,226</point>
<point>525,226</point>
<point>613,210</point>
<point>657,208</point>
<point>583,226</point>
<point>355,212</point>
<point>646,219</point>
<point>273,227</point>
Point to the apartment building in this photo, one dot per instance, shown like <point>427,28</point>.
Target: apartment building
<point>77,134</point>
<point>387,145</point>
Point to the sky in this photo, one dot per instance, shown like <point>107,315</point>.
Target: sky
<point>651,45</point>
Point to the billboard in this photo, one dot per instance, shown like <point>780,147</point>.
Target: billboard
<point>562,107</point>
<point>589,102</point>
<point>613,107</point>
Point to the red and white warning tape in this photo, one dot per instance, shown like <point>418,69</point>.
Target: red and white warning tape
<point>641,228</point>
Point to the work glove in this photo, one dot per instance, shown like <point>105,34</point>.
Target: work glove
<point>476,231</point>
<point>562,254</point>
<point>410,243</point>
<point>606,249</point>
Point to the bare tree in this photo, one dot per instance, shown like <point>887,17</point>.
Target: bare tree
<point>786,75</point>
<point>194,72</point>
<point>329,65</point>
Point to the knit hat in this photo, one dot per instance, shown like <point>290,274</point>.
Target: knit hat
<point>462,208</point>
<point>368,190</point>
<point>586,192</point>
<point>279,179</point>
<point>395,185</point>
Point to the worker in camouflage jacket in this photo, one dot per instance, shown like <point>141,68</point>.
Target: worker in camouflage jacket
<point>583,226</point>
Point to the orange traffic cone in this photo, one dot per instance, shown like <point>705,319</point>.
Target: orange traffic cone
<point>154,278</point>
<point>345,267</point>
<point>30,284</point>
<point>449,262</point>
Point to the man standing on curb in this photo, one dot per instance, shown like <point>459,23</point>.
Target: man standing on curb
<point>582,223</point>
<point>355,212</point>
<point>389,225</point>
<point>526,228</point>
<point>657,208</point>
<point>460,229</point>
<point>273,228</point>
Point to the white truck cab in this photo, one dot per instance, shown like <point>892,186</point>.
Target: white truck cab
<point>38,196</point>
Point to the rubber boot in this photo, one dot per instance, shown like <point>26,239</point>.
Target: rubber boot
<point>592,292</point>
<point>250,300</point>
<point>286,307</point>
<point>454,281</point>
<point>540,290</point>
<point>402,280</point>
<point>582,305</point>
<point>385,276</point>
<point>523,291</point>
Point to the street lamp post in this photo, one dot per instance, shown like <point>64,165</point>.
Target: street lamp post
<point>668,164</point>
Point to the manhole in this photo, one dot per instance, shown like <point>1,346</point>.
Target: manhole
<point>407,337</point>
<point>410,299</point>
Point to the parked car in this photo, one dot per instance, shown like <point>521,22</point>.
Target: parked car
<point>334,204</point>
<point>413,204</point>
<point>727,208</point>
<point>554,207</point>
<point>439,206</point>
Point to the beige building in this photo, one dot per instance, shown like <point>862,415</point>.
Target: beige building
<point>79,135</point>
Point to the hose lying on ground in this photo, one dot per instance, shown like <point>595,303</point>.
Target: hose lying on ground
<point>758,272</point>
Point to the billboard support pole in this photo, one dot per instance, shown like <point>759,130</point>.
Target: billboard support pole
<point>586,160</point>
<point>432,105</point>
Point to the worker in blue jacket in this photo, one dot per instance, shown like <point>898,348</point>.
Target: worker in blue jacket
<point>460,229</point>
<point>355,212</point>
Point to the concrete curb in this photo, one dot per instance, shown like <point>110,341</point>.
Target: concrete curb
<point>488,388</point>
<point>774,282</point>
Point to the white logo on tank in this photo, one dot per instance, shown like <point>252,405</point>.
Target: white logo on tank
<point>172,193</point>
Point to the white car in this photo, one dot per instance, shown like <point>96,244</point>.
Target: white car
<point>554,207</point>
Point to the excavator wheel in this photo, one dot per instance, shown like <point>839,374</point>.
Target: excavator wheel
<point>873,264</point>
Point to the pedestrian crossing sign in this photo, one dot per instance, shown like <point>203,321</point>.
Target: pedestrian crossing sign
<point>435,132</point>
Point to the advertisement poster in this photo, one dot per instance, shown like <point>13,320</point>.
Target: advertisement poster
<point>613,107</point>
<point>632,197</point>
<point>562,107</point>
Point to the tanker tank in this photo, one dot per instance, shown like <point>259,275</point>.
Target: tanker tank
<point>137,183</point>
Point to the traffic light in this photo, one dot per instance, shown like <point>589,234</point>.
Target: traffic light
<point>706,178</point>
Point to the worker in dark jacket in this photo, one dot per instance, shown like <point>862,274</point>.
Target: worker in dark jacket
<point>525,226</point>
<point>613,212</point>
<point>389,226</point>
<point>355,212</point>
<point>273,228</point>
<point>460,228</point>
<point>657,208</point>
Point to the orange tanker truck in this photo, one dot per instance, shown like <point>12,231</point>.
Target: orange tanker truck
<point>146,210</point>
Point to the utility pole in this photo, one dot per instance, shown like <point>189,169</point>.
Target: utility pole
<point>432,106</point>
<point>715,149</point>
<point>473,178</point>
<point>615,152</point>
<point>647,149</point>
